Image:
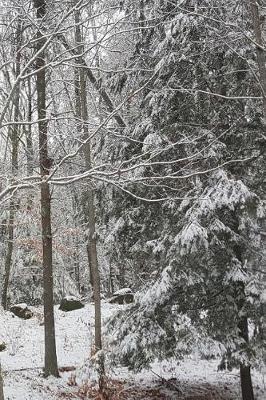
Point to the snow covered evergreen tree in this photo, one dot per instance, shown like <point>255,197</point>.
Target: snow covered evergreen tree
<point>202,139</point>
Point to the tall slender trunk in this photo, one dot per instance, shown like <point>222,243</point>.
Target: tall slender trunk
<point>245,370</point>
<point>50,363</point>
<point>29,143</point>
<point>261,60</point>
<point>77,270</point>
<point>9,253</point>
<point>122,272</point>
<point>245,374</point>
<point>90,209</point>
<point>1,385</point>
<point>14,169</point>
<point>111,279</point>
<point>261,57</point>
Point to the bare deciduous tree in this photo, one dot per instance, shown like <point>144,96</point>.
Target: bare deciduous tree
<point>50,366</point>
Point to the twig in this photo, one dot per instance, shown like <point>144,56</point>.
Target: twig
<point>167,382</point>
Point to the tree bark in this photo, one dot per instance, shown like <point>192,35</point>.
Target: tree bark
<point>14,169</point>
<point>9,253</point>
<point>90,208</point>
<point>29,144</point>
<point>111,279</point>
<point>246,383</point>
<point>261,58</point>
<point>122,280</point>
<point>245,370</point>
<point>1,385</point>
<point>50,364</point>
<point>245,375</point>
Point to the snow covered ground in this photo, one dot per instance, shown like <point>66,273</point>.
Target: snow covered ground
<point>22,362</point>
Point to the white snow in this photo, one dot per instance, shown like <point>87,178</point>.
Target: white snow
<point>123,291</point>
<point>22,362</point>
<point>151,140</point>
<point>191,237</point>
<point>23,306</point>
<point>71,298</point>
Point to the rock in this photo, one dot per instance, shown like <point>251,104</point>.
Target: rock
<point>21,311</point>
<point>122,296</point>
<point>2,346</point>
<point>70,303</point>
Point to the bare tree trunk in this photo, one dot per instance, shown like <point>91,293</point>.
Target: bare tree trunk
<point>1,385</point>
<point>258,24</point>
<point>111,279</point>
<point>90,209</point>
<point>245,375</point>
<point>77,269</point>
<point>29,143</point>
<point>8,259</point>
<point>92,252</point>
<point>50,365</point>
<point>261,58</point>
<point>122,272</point>
<point>14,169</point>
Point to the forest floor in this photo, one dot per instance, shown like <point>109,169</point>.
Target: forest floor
<point>22,361</point>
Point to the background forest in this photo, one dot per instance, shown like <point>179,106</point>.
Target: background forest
<point>132,155</point>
